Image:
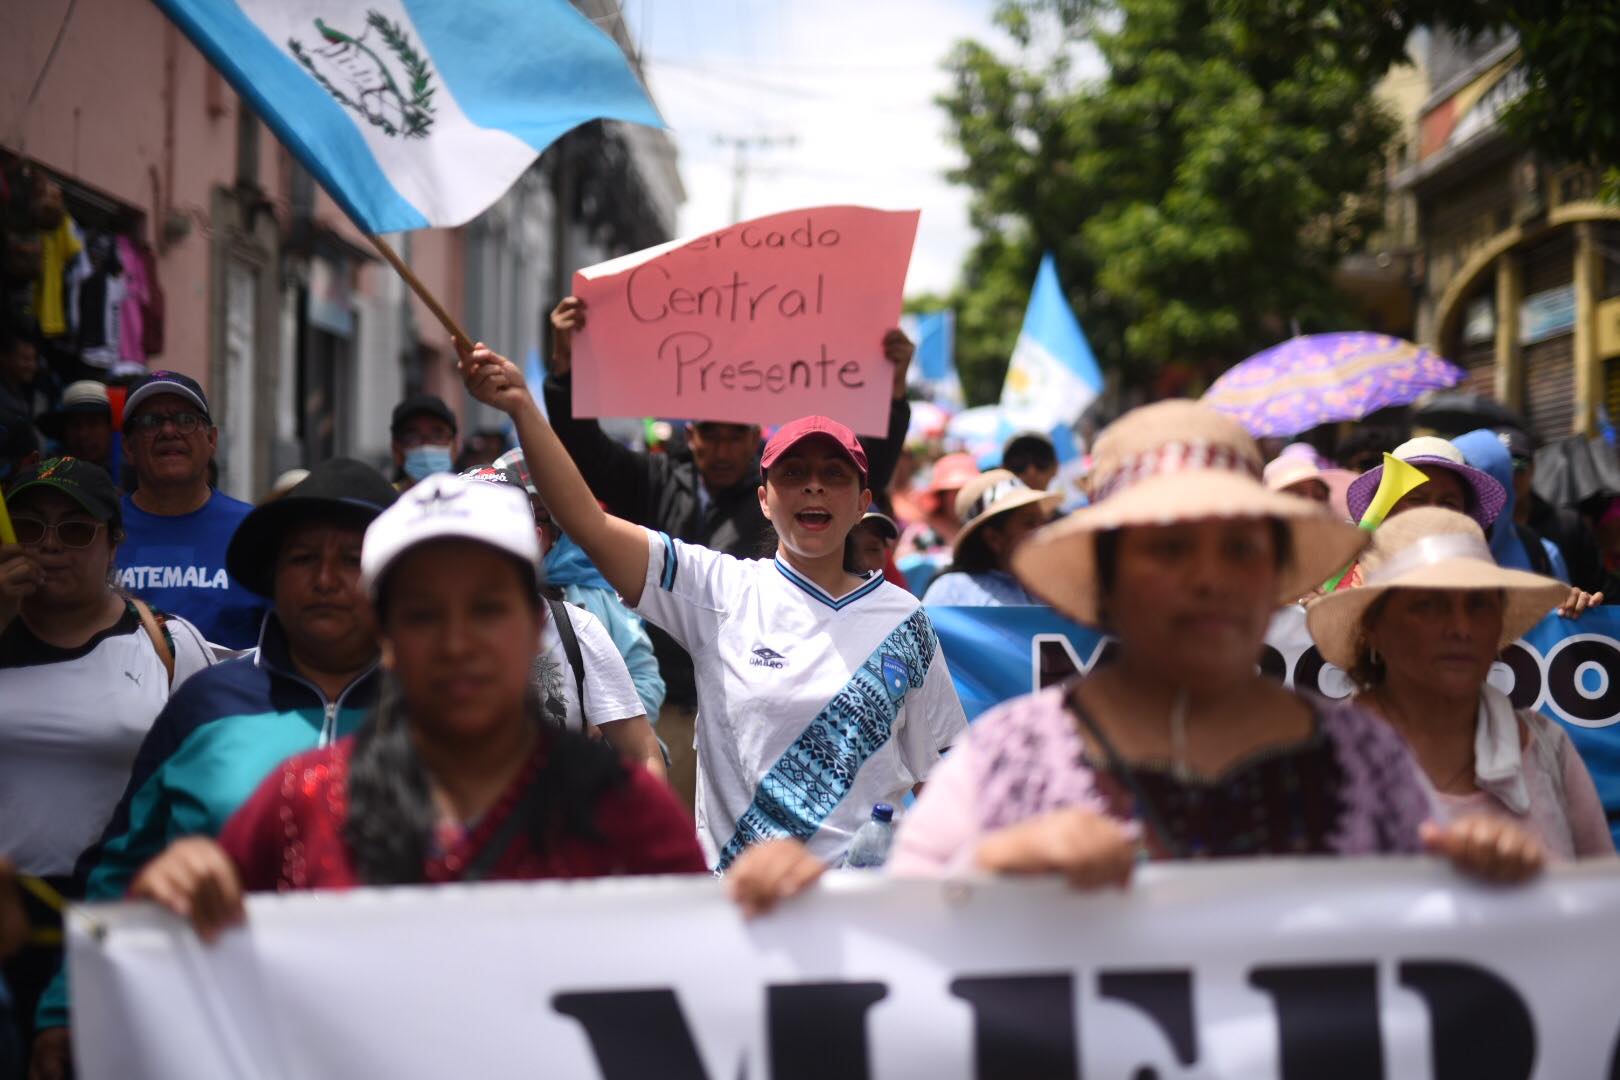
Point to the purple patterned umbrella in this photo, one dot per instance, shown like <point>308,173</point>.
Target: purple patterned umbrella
<point>1322,378</point>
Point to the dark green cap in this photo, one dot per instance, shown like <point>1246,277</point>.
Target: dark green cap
<point>85,483</point>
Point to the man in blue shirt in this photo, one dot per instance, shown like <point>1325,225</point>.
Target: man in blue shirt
<point>176,526</point>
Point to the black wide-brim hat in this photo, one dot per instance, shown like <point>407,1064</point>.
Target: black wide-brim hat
<point>339,491</point>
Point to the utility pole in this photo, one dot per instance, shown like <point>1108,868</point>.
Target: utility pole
<point>740,146</point>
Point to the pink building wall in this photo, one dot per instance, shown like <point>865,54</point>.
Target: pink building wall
<point>129,107</point>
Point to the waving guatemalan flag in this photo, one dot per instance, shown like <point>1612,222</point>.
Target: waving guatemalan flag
<point>416,113</point>
<point>1053,374</point>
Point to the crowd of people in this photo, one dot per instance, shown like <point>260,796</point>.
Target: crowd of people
<point>573,658</point>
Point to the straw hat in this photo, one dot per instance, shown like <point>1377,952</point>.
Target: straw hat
<point>1428,548</point>
<point>1169,462</point>
<point>995,492</point>
<point>1429,451</point>
<point>1289,468</point>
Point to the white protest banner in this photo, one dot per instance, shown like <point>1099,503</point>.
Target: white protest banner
<point>1295,969</point>
<point>759,323</point>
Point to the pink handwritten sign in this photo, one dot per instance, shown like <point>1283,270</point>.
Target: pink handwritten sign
<point>759,323</point>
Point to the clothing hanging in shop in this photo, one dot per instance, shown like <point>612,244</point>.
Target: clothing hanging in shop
<point>137,297</point>
<point>101,293</point>
<point>59,247</point>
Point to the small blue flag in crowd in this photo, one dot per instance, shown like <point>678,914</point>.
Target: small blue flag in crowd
<point>933,371</point>
<point>416,113</point>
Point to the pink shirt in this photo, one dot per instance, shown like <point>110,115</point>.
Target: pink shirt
<point>1563,806</point>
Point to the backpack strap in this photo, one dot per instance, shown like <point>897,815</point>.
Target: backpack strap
<point>576,660</point>
<point>153,626</point>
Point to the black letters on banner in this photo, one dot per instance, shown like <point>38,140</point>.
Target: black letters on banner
<point>1327,1020</point>
<point>819,1029</point>
<point>635,1033</point>
<point>1027,1025</point>
<point>1308,670</point>
<point>1563,684</point>
<point>1166,997</point>
<point>1023,1026</point>
<point>1526,675</point>
<point>1481,1027</point>
<point>816,1030</point>
<point>1558,676</point>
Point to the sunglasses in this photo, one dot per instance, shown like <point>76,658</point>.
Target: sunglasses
<point>70,534</point>
<point>149,423</point>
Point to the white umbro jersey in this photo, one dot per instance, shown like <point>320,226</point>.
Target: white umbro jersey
<point>810,707</point>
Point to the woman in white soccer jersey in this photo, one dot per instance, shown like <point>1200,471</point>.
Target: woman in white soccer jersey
<point>820,691</point>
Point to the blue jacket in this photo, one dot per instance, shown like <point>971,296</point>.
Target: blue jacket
<point>1484,451</point>
<point>220,734</point>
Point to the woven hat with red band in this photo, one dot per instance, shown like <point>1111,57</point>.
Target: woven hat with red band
<point>1169,462</point>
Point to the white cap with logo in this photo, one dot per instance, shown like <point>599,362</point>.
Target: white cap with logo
<point>445,507</point>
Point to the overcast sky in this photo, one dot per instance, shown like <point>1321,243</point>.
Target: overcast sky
<point>850,82</point>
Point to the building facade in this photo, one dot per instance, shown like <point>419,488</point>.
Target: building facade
<point>1517,268</point>
<point>303,338</point>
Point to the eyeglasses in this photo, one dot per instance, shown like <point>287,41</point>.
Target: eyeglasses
<point>70,534</point>
<point>184,422</point>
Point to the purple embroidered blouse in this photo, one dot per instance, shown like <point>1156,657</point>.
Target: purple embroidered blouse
<point>1351,788</point>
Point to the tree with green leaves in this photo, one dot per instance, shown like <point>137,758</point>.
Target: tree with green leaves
<point>1199,191</point>
<point>1197,194</point>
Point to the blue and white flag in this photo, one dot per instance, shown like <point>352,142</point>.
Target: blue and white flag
<point>1053,374</point>
<point>933,370</point>
<point>416,113</point>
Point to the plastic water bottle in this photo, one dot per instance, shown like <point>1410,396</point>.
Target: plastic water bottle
<point>871,847</point>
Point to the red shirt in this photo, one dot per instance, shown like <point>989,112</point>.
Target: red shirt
<point>289,835</point>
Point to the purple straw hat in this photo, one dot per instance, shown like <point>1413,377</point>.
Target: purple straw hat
<point>1428,451</point>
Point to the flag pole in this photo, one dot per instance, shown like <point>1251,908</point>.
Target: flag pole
<point>386,250</point>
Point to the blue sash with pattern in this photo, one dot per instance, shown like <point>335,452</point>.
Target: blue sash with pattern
<point>816,772</point>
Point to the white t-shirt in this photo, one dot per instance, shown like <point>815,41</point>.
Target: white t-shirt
<point>609,693</point>
<point>810,707</point>
<point>71,721</point>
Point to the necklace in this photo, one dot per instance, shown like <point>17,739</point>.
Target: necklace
<point>1178,737</point>
<point>1398,720</point>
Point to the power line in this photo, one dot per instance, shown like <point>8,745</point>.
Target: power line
<point>716,78</point>
<point>741,146</point>
<point>695,71</point>
<point>832,67</point>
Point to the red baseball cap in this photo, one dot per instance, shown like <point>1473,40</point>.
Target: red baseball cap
<point>794,433</point>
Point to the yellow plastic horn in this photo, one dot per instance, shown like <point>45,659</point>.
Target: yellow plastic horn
<point>1399,478</point>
